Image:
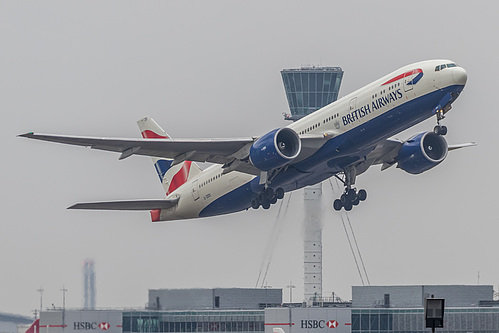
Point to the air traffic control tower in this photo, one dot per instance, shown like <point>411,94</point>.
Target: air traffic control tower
<point>307,90</point>
<point>310,88</point>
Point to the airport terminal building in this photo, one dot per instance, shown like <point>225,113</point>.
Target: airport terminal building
<point>387,309</point>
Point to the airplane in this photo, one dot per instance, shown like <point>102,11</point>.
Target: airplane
<point>342,140</point>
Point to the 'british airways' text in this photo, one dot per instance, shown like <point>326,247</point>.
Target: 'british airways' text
<point>369,108</point>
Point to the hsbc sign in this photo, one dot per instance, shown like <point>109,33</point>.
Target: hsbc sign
<point>82,321</point>
<point>313,323</point>
<point>90,326</point>
<point>308,320</point>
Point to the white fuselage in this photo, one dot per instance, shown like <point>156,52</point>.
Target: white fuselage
<point>214,192</point>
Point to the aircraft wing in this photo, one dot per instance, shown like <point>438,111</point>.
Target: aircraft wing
<point>219,151</point>
<point>233,153</point>
<point>128,205</point>
<point>462,145</point>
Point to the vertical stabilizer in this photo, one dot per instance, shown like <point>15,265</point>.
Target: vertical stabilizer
<point>171,177</point>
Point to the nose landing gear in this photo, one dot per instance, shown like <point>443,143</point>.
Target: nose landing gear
<point>440,113</point>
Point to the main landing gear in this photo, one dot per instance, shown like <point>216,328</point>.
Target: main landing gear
<point>349,199</point>
<point>267,197</point>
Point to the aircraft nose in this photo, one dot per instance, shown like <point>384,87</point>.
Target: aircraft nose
<point>459,75</point>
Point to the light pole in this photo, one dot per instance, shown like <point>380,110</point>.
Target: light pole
<point>290,286</point>
<point>64,290</point>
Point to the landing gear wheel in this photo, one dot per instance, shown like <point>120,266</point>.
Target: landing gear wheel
<point>337,205</point>
<point>440,130</point>
<point>348,206</point>
<point>269,193</point>
<point>351,194</point>
<point>273,200</point>
<point>343,198</point>
<point>266,204</point>
<point>261,198</point>
<point>362,195</point>
<point>279,193</point>
<point>356,201</point>
<point>254,203</point>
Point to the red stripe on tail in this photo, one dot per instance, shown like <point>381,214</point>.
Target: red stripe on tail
<point>180,177</point>
<point>147,134</point>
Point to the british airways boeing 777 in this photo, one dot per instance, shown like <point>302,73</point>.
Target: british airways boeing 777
<point>343,139</point>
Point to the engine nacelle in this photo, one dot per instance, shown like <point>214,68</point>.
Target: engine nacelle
<point>422,152</point>
<point>275,149</point>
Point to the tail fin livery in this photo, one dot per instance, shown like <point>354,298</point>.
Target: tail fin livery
<point>35,327</point>
<point>171,177</point>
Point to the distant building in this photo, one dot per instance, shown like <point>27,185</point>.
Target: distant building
<point>89,289</point>
<point>9,322</point>
<point>376,309</point>
<point>208,299</point>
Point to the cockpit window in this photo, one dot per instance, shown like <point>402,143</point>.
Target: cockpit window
<point>441,67</point>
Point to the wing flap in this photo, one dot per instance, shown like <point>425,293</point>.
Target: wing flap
<point>128,205</point>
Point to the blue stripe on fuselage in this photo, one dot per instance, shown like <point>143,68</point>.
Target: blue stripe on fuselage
<point>342,149</point>
<point>377,129</point>
<point>234,201</point>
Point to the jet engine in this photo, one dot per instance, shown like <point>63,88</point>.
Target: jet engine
<point>275,149</point>
<point>422,152</point>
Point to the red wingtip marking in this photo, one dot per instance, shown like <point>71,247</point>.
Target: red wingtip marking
<point>147,134</point>
<point>155,215</point>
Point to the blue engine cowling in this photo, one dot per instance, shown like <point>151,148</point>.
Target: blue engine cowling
<point>275,149</point>
<point>422,152</point>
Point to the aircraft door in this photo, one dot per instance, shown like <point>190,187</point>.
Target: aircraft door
<point>195,190</point>
<point>353,104</point>
<point>408,77</point>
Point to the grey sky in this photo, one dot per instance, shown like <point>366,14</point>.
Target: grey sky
<point>211,69</point>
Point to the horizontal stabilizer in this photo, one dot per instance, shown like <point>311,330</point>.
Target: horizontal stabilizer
<point>128,205</point>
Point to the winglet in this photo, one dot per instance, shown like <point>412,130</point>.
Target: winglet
<point>26,135</point>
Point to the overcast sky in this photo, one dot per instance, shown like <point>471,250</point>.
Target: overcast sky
<point>212,69</point>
